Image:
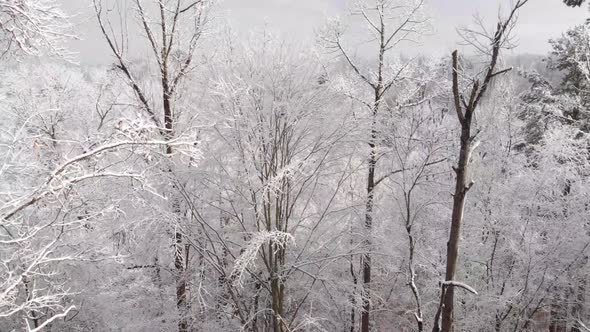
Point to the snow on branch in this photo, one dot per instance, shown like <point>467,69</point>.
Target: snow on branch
<point>459,284</point>
<point>47,187</point>
<point>33,27</point>
<point>48,321</point>
<point>582,326</point>
<point>277,238</point>
<point>276,183</point>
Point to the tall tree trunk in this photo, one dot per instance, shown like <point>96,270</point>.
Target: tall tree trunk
<point>257,288</point>
<point>368,231</point>
<point>558,319</point>
<point>578,307</point>
<point>180,254</point>
<point>366,257</point>
<point>354,285</point>
<point>461,188</point>
<point>276,286</point>
<point>553,315</point>
<point>29,295</point>
<point>411,270</point>
<point>181,288</point>
<point>158,281</point>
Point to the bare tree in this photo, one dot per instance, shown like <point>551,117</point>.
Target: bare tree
<point>274,122</point>
<point>389,24</point>
<point>173,38</point>
<point>465,109</point>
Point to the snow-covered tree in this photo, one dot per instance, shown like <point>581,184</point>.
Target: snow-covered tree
<point>33,27</point>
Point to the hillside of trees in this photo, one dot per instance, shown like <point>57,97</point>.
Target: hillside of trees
<point>225,184</point>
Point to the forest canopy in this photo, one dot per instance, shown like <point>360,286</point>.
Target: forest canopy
<point>207,181</point>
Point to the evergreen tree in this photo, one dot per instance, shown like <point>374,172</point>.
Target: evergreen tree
<point>567,53</point>
<point>574,3</point>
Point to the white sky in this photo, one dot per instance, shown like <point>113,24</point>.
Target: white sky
<point>297,20</point>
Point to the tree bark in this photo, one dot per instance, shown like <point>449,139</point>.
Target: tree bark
<point>368,233</point>
<point>276,286</point>
<point>354,285</point>
<point>461,188</point>
<point>180,254</point>
<point>181,288</point>
<point>366,257</point>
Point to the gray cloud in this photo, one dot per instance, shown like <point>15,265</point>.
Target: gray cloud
<point>298,19</point>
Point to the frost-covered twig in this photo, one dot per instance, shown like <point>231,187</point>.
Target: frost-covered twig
<point>33,27</point>
<point>47,187</point>
<point>278,238</point>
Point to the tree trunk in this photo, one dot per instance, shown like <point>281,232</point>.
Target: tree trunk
<point>411,269</point>
<point>181,302</point>
<point>580,301</point>
<point>366,257</point>
<point>28,293</point>
<point>367,240</point>
<point>276,286</point>
<point>354,286</point>
<point>179,253</point>
<point>461,188</point>
<point>557,319</point>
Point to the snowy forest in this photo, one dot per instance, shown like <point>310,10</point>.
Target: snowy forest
<point>221,183</point>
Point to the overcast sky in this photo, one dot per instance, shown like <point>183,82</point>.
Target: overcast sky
<point>297,20</point>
